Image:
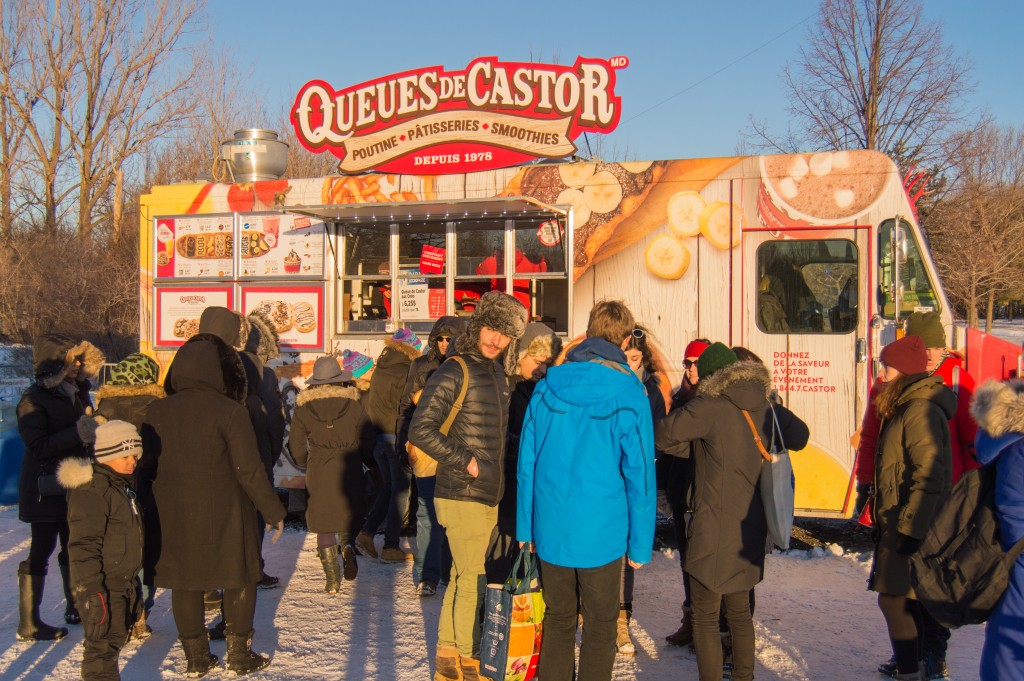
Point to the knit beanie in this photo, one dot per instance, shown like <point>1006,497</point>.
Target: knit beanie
<point>115,439</point>
<point>356,362</point>
<point>408,337</point>
<point>715,357</point>
<point>927,325</point>
<point>694,349</point>
<point>906,355</point>
<point>135,369</point>
<point>539,341</point>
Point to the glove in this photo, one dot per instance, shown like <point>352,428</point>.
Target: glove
<point>865,490</point>
<point>907,545</point>
<point>86,426</point>
<point>95,616</point>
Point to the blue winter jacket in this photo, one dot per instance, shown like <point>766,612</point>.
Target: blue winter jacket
<point>586,462</point>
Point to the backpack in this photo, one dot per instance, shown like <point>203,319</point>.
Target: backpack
<point>960,571</point>
<point>424,465</point>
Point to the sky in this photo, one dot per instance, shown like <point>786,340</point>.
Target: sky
<point>697,72</point>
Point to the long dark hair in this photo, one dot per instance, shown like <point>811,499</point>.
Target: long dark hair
<point>640,338</point>
<point>887,399</point>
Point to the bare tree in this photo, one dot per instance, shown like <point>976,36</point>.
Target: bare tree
<point>977,231</point>
<point>873,74</point>
<point>12,126</point>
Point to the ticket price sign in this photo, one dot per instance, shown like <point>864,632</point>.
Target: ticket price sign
<point>179,308</point>
<point>297,313</point>
<point>281,246</point>
<point>195,247</point>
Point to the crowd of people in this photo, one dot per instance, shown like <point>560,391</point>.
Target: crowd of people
<point>489,439</point>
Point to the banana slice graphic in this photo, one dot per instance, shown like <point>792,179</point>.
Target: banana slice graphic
<point>636,167</point>
<point>667,257</point>
<point>684,211</point>
<point>603,192</point>
<point>580,209</point>
<point>722,224</point>
<point>576,174</point>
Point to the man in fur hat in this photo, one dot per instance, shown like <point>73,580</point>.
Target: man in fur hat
<point>470,460</point>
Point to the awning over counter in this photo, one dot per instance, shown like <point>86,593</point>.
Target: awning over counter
<point>507,207</point>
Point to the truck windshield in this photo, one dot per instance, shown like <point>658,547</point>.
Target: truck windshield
<point>916,291</point>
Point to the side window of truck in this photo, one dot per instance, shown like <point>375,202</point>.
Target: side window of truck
<point>807,286</point>
<point>915,289</point>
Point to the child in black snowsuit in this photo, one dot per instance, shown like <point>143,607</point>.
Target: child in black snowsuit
<point>105,544</point>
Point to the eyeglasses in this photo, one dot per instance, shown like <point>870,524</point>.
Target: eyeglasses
<point>444,339</point>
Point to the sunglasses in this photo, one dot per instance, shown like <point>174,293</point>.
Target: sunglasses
<point>689,363</point>
<point>444,339</point>
<point>638,333</point>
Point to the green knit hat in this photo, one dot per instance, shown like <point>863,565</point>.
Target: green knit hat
<point>715,357</point>
<point>135,369</point>
<point>927,325</point>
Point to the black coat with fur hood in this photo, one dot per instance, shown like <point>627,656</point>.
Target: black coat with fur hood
<point>48,420</point>
<point>331,437</point>
<point>207,479</point>
<point>388,382</point>
<point>728,532</point>
<point>105,546</point>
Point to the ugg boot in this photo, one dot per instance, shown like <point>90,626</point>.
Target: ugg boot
<point>393,554</point>
<point>447,664</point>
<point>329,559</point>
<point>684,635</point>
<point>197,655</point>
<point>30,595</point>
<point>140,630</point>
<point>240,658</point>
<point>622,640</point>
<point>364,542</point>
<point>71,615</point>
<point>470,667</point>
<point>350,568</point>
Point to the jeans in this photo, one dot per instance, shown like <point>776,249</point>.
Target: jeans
<point>707,640</point>
<point>594,593</point>
<point>469,525</point>
<point>430,536</point>
<point>393,497</point>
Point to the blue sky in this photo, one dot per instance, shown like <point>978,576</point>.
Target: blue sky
<point>716,63</point>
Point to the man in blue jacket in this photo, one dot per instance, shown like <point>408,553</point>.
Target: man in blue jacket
<point>587,492</point>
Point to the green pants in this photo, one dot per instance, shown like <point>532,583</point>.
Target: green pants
<point>468,525</point>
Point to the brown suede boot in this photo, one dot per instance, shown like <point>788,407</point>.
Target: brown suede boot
<point>470,669</point>
<point>623,642</point>
<point>447,664</point>
<point>684,635</point>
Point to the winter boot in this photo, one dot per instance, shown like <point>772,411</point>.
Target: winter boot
<point>71,615</point>
<point>470,667</point>
<point>622,640</point>
<point>364,542</point>
<point>30,595</point>
<point>240,658</point>
<point>888,668</point>
<point>684,635</point>
<point>198,657</point>
<point>934,668</point>
<point>329,559</point>
<point>350,568</point>
<point>140,631</point>
<point>448,664</point>
<point>395,555</point>
<point>910,676</point>
<point>217,630</point>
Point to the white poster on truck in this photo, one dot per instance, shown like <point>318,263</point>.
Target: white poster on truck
<point>178,309</point>
<point>195,247</point>
<point>281,246</point>
<point>297,313</point>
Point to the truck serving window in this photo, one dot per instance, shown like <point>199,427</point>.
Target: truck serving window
<point>807,286</point>
<point>915,289</point>
<point>444,267</point>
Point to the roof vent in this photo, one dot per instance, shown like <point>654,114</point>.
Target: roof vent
<point>255,154</point>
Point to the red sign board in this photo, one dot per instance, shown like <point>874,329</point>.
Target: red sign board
<point>429,121</point>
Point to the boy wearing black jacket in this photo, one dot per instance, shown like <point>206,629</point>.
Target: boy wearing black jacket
<point>105,544</point>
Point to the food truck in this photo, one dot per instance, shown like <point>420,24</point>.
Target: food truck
<point>809,260</point>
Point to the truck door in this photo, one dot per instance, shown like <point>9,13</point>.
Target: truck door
<point>803,313</point>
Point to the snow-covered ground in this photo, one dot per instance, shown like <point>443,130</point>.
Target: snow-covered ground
<point>814,621</point>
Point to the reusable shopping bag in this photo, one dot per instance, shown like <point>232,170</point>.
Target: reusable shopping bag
<point>513,621</point>
<point>776,483</point>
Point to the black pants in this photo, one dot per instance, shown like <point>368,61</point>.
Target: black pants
<point>934,636</point>
<point>903,619</point>
<point>189,613</point>
<point>707,639</point>
<point>99,661</point>
<point>44,541</point>
<point>596,591</point>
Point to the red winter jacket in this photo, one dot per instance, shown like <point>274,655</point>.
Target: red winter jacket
<point>962,427</point>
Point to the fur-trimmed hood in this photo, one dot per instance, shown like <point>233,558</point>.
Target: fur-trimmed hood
<point>723,382</point>
<point>998,408</point>
<point>150,390</point>
<point>404,348</point>
<point>52,355</point>
<point>74,472</point>
<point>503,313</point>
<point>263,340</point>
<point>326,392</point>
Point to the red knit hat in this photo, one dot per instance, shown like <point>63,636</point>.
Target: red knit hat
<point>906,355</point>
<point>694,349</point>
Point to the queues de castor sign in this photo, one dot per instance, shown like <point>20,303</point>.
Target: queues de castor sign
<point>430,121</point>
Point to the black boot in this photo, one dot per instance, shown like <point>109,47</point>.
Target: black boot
<point>217,630</point>
<point>197,654</point>
<point>332,569</point>
<point>240,658</point>
<point>71,615</point>
<point>30,595</point>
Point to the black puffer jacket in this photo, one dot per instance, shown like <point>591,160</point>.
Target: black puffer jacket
<point>47,418</point>
<point>127,402</point>
<point>105,546</point>
<point>478,431</point>
<point>420,370</point>
<point>331,437</point>
<point>388,382</point>
<point>728,532</point>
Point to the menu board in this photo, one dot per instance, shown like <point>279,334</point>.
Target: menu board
<point>281,246</point>
<point>297,313</point>
<point>178,309</point>
<point>195,247</point>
